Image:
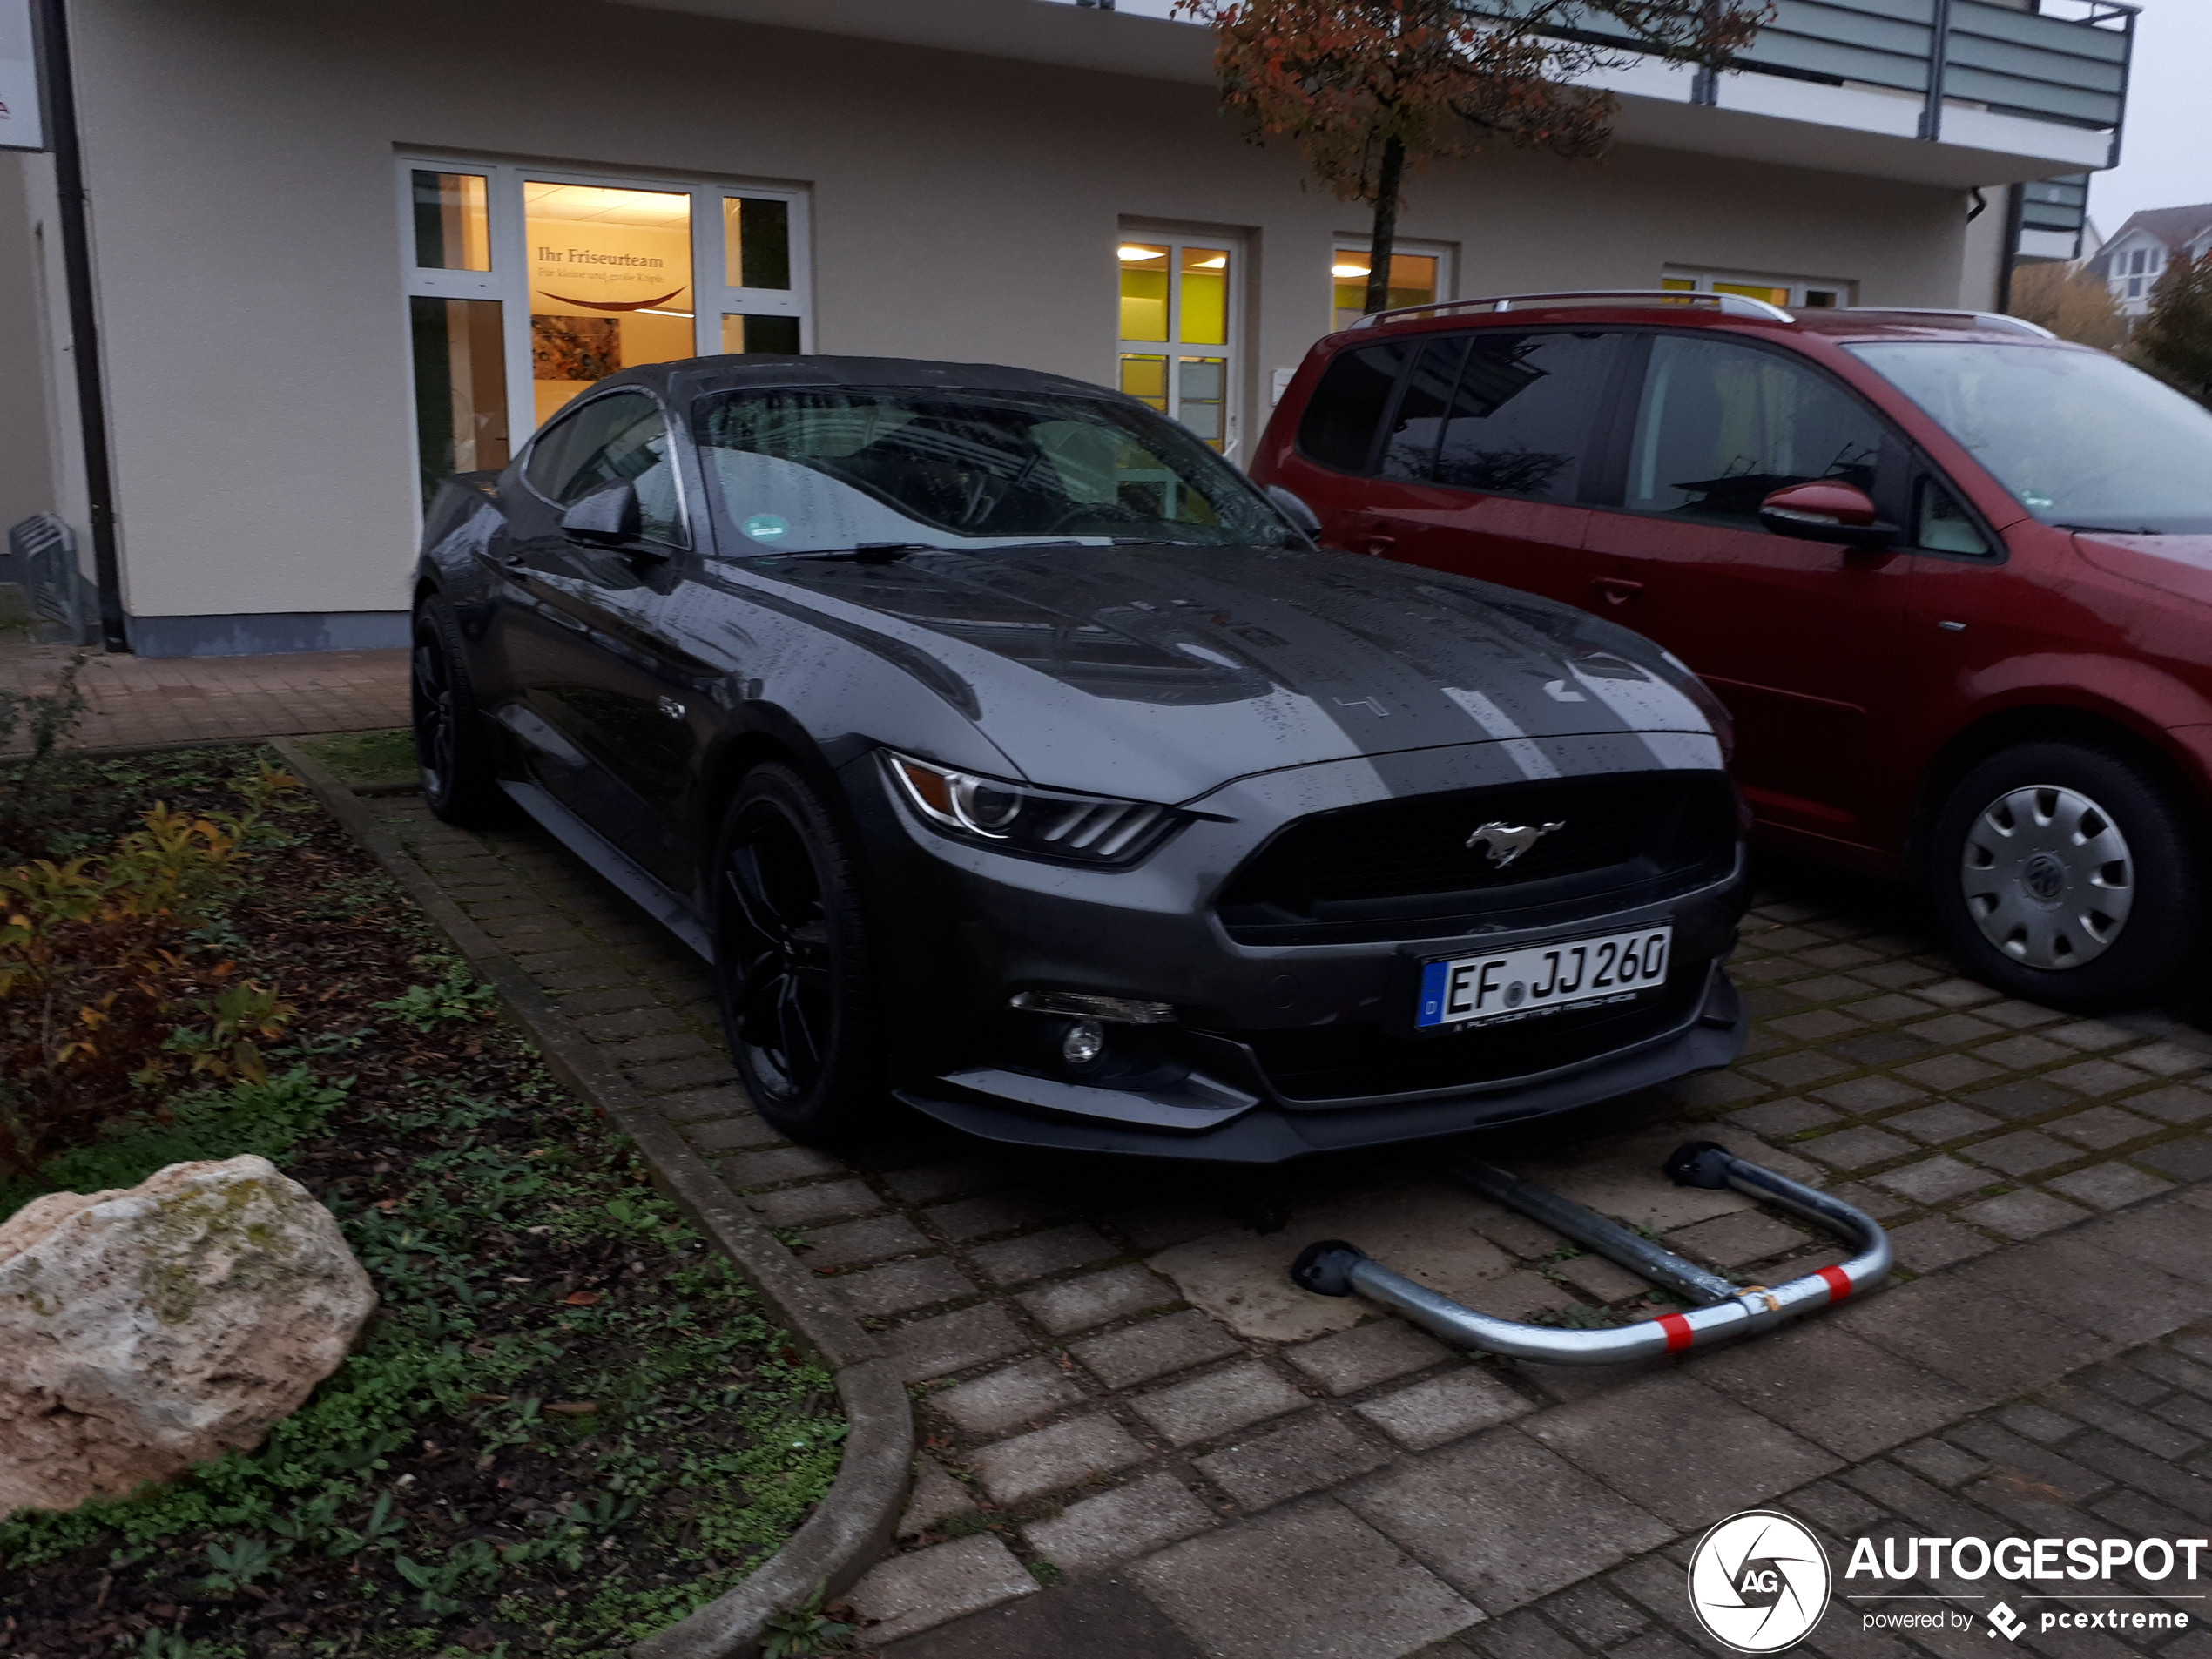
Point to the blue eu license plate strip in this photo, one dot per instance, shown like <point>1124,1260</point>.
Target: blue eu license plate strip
<point>1543,979</point>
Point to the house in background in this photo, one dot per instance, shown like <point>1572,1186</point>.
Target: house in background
<point>339,251</point>
<point>2151,240</point>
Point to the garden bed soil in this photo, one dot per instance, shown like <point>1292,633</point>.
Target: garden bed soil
<point>566,1427</point>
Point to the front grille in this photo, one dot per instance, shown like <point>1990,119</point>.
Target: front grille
<point>1410,862</point>
<point>1327,1063</point>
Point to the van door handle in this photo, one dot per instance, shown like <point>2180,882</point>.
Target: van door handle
<point>1617,590</point>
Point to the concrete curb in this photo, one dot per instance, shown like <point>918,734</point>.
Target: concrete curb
<point>855,1523</point>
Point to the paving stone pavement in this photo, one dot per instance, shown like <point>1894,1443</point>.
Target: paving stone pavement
<point>147,700</point>
<point>1118,1385</point>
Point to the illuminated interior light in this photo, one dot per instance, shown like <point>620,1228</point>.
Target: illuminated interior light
<point>1130,251</point>
<point>1220,262</point>
<point>1349,271</point>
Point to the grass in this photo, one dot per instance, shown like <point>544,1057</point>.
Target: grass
<point>361,758</point>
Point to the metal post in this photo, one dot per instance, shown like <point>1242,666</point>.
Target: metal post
<point>1938,61</point>
<point>2015,207</point>
<point>84,318</point>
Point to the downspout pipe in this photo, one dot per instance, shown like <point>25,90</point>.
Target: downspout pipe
<point>84,318</point>
<point>1333,1267</point>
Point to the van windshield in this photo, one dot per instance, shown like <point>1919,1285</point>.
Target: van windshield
<point>812,469</point>
<point>2081,440</point>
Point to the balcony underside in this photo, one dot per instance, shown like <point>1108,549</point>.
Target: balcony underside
<point>1761,117</point>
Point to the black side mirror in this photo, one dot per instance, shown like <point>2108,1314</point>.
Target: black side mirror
<point>606,517</point>
<point>1288,504</point>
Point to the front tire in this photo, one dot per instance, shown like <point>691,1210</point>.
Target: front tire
<point>452,749</point>
<point>2063,875</point>
<point>793,966</point>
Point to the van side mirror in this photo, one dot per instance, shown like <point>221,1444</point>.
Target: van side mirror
<point>1828,511</point>
<point>1288,504</point>
<point>606,517</point>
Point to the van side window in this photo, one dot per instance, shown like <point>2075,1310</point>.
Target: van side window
<point>1338,427</point>
<point>1520,418</point>
<point>1409,447</point>
<point>1720,426</point>
<point>1942,525</point>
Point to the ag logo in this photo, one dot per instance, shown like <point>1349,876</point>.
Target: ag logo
<point>1758,1582</point>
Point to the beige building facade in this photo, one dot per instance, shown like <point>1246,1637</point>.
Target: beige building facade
<point>338,249</point>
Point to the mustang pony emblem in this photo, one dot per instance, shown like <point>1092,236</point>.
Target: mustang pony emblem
<point>1505,842</point>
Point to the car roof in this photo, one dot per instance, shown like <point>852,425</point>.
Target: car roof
<point>1836,323</point>
<point>687,377</point>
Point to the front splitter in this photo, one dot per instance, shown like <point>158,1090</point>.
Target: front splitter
<point>1272,1135</point>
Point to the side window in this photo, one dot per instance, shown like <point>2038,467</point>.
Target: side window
<point>610,438</point>
<point>1337,429</point>
<point>1520,418</point>
<point>1720,426</point>
<point>1409,447</point>
<point>1941,525</point>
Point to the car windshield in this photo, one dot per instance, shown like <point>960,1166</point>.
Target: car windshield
<point>2081,439</point>
<point>807,470</point>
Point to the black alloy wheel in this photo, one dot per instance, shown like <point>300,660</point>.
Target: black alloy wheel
<point>2063,874</point>
<point>452,750</point>
<point>793,962</point>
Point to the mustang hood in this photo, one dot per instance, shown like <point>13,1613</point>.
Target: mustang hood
<point>1162,671</point>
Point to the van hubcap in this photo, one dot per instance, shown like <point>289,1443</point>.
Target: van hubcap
<point>2048,877</point>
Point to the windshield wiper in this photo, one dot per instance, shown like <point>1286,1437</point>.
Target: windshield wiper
<point>2106,529</point>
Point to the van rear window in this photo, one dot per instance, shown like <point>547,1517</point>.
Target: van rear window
<point>1338,427</point>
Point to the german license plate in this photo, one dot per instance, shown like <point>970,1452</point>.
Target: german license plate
<point>1543,979</point>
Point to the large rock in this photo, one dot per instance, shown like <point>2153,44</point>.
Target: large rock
<point>144,1331</point>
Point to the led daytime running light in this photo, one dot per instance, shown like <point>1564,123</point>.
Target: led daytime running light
<point>1090,828</point>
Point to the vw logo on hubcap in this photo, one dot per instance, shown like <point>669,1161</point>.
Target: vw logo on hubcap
<point>2045,878</point>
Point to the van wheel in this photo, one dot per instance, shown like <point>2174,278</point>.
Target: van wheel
<point>792,965</point>
<point>2063,876</point>
<point>452,749</point>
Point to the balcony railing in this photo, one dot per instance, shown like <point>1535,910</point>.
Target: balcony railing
<point>2065,61</point>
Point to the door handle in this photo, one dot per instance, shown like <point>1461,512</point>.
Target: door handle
<point>1617,590</point>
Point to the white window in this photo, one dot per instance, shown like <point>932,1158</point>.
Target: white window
<point>1421,274</point>
<point>526,285</point>
<point>1181,310</point>
<point>1800,293</point>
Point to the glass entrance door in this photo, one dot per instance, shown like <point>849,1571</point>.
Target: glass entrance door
<point>526,284</point>
<point>1176,302</point>
<point>611,284</point>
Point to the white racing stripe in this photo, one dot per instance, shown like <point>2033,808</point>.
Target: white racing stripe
<point>1659,715</point>
<point>1525,754</point>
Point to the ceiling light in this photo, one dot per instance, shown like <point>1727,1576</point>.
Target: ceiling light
<point>1343,270</point>
<point>1219,261</point>
<point>1130,251</point>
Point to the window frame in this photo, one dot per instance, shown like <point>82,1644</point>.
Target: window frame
<point>573,409</point>
<point>508,281</point>
<point>1702,278</point>
<point>1231,350</point>
<point>1445,253</point>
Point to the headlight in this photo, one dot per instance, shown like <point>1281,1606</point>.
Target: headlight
<point>1036,823</point>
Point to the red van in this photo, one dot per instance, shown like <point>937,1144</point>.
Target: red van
<point>1952,576</point>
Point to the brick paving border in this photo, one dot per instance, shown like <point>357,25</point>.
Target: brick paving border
<point>852,1526</point>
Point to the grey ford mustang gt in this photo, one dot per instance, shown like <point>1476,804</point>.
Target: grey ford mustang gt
<point>1007,752</point>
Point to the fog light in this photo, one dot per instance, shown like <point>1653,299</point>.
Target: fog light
<point>1082,1042</point>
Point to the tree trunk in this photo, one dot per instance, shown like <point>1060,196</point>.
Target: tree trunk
<point>1385,239</point>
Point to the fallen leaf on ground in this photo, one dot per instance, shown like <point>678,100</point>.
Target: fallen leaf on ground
<point>573,1407</point>
<point>581,1298</point>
